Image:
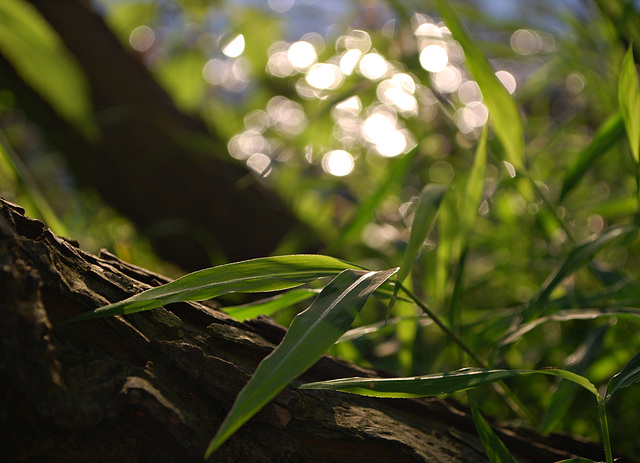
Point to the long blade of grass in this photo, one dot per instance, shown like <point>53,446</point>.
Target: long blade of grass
<point>495,449</point>
<point>436,384</point>
<point>430,199</point>
<point>270,305</point>
<point>576,259</point>
<point>505,116</point>
<point>629,98</point>
<point>577,460</point>
<point>569,315</point>
<point>256,275</point>
<point>472,194</point>
<point>310,335</point>
<point>610,132</point>
<point>628,376</point>
<point>382,327</point>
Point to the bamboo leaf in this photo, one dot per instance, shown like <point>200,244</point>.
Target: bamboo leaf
<point>430,199</point>
<point>493,446</point>
<point>436,384</point>
<point>271,305</point>
<point>576,259</point>
<point>472,193</point>
<point>505,116</point>
<point>629,376</point>
<point>256,275</point>
<point>569,315</point>
<point>609,133</point>
<point>310,335</point>
<point>629,98</point>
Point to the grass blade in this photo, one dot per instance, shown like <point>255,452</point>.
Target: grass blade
<point>629,98</point>
<point>436,384</point>
<point>576,259</point>
<point>505,116</point>
<point>256,275</point>
<point>310,335</point>
<point>430,199</point>
<point>569,315</point>
<point>609,133</point>
<point>271,305</point>
<point>472,194</point>
<point>629,376</point>
<point>493,446</point>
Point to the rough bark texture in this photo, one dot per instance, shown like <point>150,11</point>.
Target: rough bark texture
<point>155,386</point>
<point>162,168</point>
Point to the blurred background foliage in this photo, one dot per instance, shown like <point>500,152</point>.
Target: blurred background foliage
<point>346,110</point>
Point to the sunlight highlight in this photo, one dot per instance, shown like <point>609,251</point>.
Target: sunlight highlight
<point>302,55</point>
<point>381,130</point>
<point>434,58</point>
<point>235,47</point>
<point>338,163</point>
<point>373,66</point>
<point>324,76</point>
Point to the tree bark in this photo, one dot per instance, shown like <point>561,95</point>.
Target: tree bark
<point>160,167</point>
<point>155,386</point>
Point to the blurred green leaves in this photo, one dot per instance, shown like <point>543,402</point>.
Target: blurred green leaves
<point>38,54</point>
<point>629,97</point>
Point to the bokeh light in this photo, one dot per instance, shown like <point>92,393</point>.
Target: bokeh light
<point>448,80</point>
<point>338,163</point>
<point>373,66</point>
<point>324,76</point>
<point>526,42</point>
<point>381,130</point>
<point>281,6</point>
<point>301,55</point>
<point>507,80</point>
<point>349,60</point>
<point>434,58</point>
<point>234,47</point>
<point>142,38</point>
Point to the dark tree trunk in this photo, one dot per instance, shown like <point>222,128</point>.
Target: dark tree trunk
<point>162,168</point>
<point>155,386</point>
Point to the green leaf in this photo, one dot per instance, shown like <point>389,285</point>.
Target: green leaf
<point>270,305</point>
<point>493,446</point>
<point>576,259</point>
<point>256,275</point>
<point>629,376</point>
<point>505,116</point>
<point>609,133</point>
<point>436,384</point>
<point>310,335</point>
<point>629,98</point>
<point>382,327</point>
<point>577,460</point>
<point>569,315</point>
<point>430,199</point>
<point>472,194</point>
